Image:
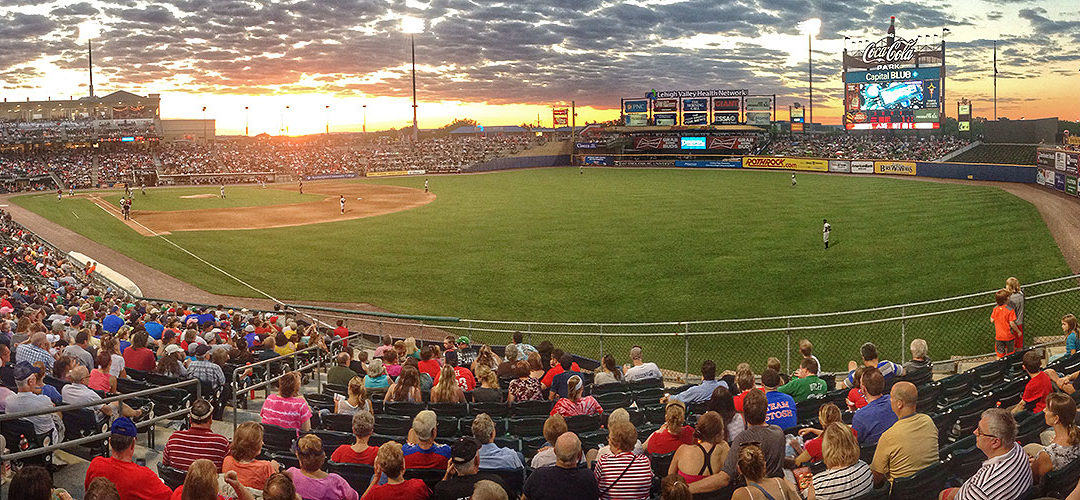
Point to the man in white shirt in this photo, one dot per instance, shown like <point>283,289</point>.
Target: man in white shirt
<point>825,232</point>
<point>28,400</point>
<point>638,369</point>
<point>77,392</point>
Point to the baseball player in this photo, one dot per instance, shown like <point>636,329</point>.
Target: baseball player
<point>301,185</point>
<point>825,232</point>
<point>793,181</point>
<point>342,201</point>
<point>425,186</point>
<point>59,194</point>
<point>71,190</point>
<point>143,187</point>
<point>223,191</point>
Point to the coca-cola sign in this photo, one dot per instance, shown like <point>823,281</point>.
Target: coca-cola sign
<point>882,52</point>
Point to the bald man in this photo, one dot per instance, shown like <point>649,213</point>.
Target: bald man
<point>36,349</point>
<point>911,444</point>
<point>565,479</point>
<point>77,392</point>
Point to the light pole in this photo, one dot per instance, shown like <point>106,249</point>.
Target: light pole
<point>327,119</point>
<point>811,27</point>
<point>205,140</point>
<point>89,30</point>
<point>412,26</point>
<point>365,118</point>
<point>247,119</point>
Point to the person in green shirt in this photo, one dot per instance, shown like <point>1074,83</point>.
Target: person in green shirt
<point>340,374</point>
<point>806,383</point>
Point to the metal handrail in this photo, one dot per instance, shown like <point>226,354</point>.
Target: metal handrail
<point>101,435</point>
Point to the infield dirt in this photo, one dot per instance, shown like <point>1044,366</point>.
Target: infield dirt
<point>361,200</point>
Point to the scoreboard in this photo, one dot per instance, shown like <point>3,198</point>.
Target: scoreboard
<point>893,99</point>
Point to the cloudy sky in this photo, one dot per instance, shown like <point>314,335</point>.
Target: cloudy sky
<point>508,62</point>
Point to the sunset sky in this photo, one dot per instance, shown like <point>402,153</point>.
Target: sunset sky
<point>504,63</point>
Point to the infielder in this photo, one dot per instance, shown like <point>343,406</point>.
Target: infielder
<point>71,190</point>
<point>425,186</point>
<point>59,194</point>
<point>222,191</point>
<point>342,201</point>
<point>793,181</point>
<point>825,232</point>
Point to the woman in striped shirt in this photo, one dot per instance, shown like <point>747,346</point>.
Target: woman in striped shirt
<point>287,408</point>
<point>573,404</point>
<point>623,475</point>
<point>846,476</point>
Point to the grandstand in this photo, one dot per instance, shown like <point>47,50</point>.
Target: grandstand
<point>1012,154</point>
<point>32,269</point>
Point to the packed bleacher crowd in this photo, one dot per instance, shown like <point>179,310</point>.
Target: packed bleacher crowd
<point>445,155</point>
<point>417,420</point>
<point>866,147</point>
<point>80,130</point>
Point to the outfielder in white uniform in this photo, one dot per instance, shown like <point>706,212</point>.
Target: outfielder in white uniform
<point>825,232</point>
<point>342,201</point>
<point>793,181</point>
<point>222,191</point>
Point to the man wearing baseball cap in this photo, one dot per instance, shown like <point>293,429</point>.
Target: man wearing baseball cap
<point>465,354</point>
<point>198,441</point>
<point>27,399</point>
<point>463,471</point>
<point>205,370</point>
<point>133,481</point>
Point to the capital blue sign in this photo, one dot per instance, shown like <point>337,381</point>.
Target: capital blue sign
<point>894,75</point>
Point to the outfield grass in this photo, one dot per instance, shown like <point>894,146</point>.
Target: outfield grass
<point>617,245</point>
<point>169,199</point>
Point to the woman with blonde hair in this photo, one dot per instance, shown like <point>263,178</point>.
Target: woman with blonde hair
<point>246,445</point>
<point>673,433</point>
<point>1060,414</point>
<point>811,451</point>
<point>201,483</point>
<point>376,377</point>
<point>751,464</point>
<point>311,482</point>
<point>694,462</point>
<point>356,401</point>
<point>447,390</point>
<point>406,388</point>
<point>486,357</point>
<point>845,476</point>
<point>1016,303</point>
<point>489,390</point>
<point>573,404</point>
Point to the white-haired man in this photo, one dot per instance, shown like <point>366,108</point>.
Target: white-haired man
<point>1006,473</point>
<point>638,369</point>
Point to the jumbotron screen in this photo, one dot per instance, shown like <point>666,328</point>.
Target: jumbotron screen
<point>893,105</point>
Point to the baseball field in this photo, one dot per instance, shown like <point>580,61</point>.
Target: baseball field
<point>606,245</point>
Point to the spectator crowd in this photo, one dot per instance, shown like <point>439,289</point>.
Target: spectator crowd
<point>866,147</point>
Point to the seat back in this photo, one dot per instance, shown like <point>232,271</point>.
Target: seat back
<point>648,395</point>
<point>159,379</point>
<point>278,438</point>
<point>513,478</point>
<point>449,409</point>
<point>606,388</point>
<point>660,463</point>
<point>637,385</point>
<point>172,477</point>
<point>494,410</point>
<point>336,389</point>
<point>535,407</point>
<point>583,423</point>
<point>403,408</point>
<point>332,439</point>
<point>928,396</point>
<point>337,422</point>
<point>1059,483</point>
<point>961,464</point>
<point>527,426</point>
<point>81,423</point>
<point>135,374</point>
<point>430,477</point>
<point>612,400</point>
<point>392,425</point>
<point>930,479</point>
<point>357,475</point>
<point>128,386</point>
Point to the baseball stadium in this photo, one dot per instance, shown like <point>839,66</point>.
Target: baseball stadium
<point>881,308</point>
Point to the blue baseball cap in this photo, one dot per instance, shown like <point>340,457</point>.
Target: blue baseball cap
<point>124,427</point>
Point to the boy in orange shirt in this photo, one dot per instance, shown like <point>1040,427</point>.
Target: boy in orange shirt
<point>1005,329</point>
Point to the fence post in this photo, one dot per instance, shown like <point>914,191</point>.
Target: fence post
<point>686,352</point>
<point>903,335</point>
<point>528,327</point>
<point>787,335</point>
<point>601,343</point>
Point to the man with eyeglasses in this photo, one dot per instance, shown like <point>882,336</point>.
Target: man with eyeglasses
<point>1006,474</point>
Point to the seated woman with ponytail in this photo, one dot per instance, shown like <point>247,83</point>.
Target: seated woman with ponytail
<point>1060,414</point>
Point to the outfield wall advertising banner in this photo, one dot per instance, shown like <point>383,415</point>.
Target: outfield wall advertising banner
<point>894,167</point>
<point>695,118</point>
<point>695,105</point>
<point>1045,158</point>
<point>394,173</point>
<point>1070,184</point>
<point>665,119</point>
<point>759,118</point>
<point>862,167</point>
<point>586,145</point>
<point>1072,163</point>
<point>758,103</point>
<point>641,106</point>
<point>725,118</point>
<point>839,166</point>
<point>323,176</point>
<point>1044,177</point>
<point>773,162</point>
<point>1059,181</point>
<point>637,120</point>
<point>730,142</point>
<point>732,163</point>
<point>725,104</point>
<point>597,160</point>
<point>656,142</point>
<point>665,105</point>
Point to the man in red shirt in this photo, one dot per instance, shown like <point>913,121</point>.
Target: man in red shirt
<point>1036,390</point>
<point>556,368</point>
<point>133,481</point>
<point>185,447</point>
<point>341,331</point>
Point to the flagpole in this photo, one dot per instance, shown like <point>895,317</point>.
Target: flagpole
<point>995,81</point>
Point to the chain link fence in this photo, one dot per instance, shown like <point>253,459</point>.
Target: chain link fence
<point>953,327</point>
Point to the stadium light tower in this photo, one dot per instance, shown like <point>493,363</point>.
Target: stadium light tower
<point>810,27</point>
<point>412,26</point>
<point>89,30</point>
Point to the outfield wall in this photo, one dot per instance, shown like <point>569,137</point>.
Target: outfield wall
<point>521,162</point>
